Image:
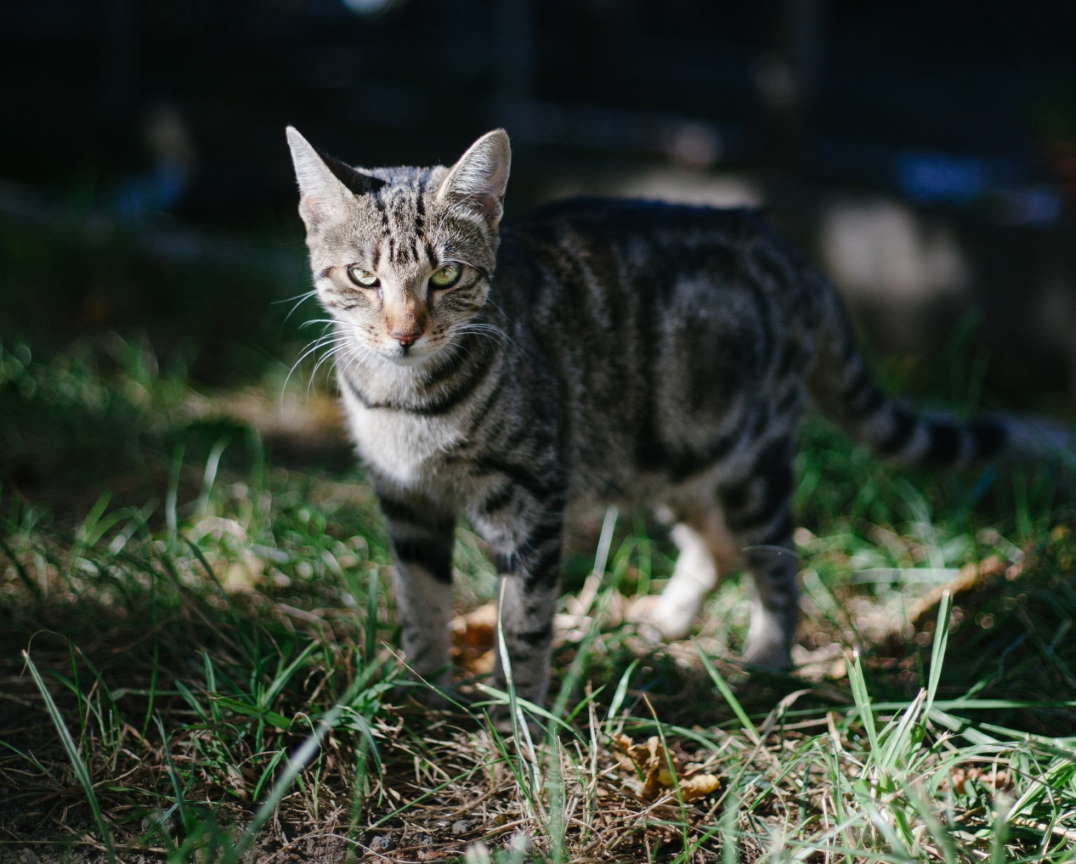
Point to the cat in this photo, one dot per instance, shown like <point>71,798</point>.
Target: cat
<point>645,353</point>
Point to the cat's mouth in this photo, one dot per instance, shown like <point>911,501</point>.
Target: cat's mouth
<point>410,355</point>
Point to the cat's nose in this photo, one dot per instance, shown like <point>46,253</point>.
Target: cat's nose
<point>406,338</point>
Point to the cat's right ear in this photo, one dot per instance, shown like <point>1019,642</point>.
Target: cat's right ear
<point>325,184</point>
<point>480,176</point>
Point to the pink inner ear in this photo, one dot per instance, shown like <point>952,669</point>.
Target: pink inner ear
<point>491,207</point>
<point>310,210</point>
<point>488,205</point>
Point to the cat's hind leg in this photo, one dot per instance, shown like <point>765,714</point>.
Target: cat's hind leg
<point>758,512</point>
<point>705,554</point>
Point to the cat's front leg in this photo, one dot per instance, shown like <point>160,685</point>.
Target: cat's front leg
<point>422,537</point>
<point>528,600</point>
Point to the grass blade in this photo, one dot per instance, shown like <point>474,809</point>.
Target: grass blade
<point>729,696</point>
<point>82,773</point>
<point>937,654</point>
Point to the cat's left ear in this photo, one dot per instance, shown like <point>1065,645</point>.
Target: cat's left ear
<point>325,184</point>
<point>481,175</point>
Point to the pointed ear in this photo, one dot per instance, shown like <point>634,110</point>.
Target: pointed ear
<point>325,183</point>
<point>481,175</point>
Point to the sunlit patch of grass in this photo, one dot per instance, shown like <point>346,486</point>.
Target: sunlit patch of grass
<point>203,662</point>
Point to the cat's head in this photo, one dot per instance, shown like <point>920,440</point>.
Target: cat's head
<point>402,257</point>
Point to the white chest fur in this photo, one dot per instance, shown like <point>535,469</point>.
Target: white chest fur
<point>399,444</point>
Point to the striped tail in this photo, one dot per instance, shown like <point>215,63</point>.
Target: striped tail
<point>842,386</point>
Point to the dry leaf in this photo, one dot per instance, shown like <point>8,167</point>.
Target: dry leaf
<point>242,576</point>
<point>473,637</point>
<point>988,778</point>
<point>699,786</point>
<point>653,761</point>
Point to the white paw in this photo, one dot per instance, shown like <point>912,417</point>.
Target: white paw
<point>669,620</point>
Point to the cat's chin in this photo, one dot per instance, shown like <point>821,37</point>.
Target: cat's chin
<point>412,359</point>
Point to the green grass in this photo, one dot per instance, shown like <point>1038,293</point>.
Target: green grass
<point>198,656</point>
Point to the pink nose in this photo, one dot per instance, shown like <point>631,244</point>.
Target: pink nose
<point>406,338</point>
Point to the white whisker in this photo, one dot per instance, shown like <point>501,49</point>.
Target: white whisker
<point>299,299</point>
<point>327,339</point>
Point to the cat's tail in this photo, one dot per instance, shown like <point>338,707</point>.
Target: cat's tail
<point>842,386</point>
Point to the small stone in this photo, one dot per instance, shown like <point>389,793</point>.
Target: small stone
<point>462,826</point>
<point>382,843</point>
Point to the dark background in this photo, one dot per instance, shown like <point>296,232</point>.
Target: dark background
<point>923,154</point>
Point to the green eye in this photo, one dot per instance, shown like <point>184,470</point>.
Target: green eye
<point>362,278</point>
<point>447,276</point>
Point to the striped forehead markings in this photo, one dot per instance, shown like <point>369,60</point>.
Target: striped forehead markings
<point>379,203</point>
<point>402,208</point>
<point>420,205</point>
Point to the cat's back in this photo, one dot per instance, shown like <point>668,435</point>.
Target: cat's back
<point>651,310</point>
<point>606,269</point>
<point>648,246</point>
<point>644,226</point>
<point>610,213</point>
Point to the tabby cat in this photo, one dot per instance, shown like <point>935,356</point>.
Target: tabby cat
<point>600,350</point>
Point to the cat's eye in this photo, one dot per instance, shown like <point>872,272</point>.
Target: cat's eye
<point>362,278</point>
<point>446,276</point>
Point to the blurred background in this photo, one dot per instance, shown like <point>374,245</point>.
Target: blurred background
<point>923,154</point>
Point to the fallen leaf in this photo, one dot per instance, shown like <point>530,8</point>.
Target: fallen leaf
<point>473,636</point>
<point>660,771</point>
<point>699,786</point>
<point>991,778</point>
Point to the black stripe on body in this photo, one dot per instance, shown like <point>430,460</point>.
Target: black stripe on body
<point>788,402</point>
<point>790,357</point>
<point>763,311</point>
<point>542,534</point>
<point>680,464</point>
<point>539,636</point>
<point>949,442</point>
<point>772,471</point>
<point>944,446</point>
<point>518,437</point>
<point>353,388</point>
<point>457,356</point>
<point>470,378</point>
<point>989,437</point>
<point>650,452</point>
<point>398,511</point>
<point>483,411</point>
<point>865,403</point>
<point>497,500</point>
<point>779,533</point>
<point>770,267</point>
<point>904,424</point>
<point>433,554</point>
<point>519,475</point>
<point>541,568</point>
<point>760,422</point>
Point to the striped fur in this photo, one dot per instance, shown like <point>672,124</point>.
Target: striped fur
<point>647,354</point>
